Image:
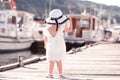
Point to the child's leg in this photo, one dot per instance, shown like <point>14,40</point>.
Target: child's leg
<point>51,67</point>
<point>59,67</point>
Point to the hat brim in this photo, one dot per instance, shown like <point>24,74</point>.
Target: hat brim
<point>60,20</point>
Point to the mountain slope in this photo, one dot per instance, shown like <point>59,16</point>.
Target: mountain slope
<point>42,7</point>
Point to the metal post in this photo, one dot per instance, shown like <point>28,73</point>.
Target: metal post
<point>21,64</point>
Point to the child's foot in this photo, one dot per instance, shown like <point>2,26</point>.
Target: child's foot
<point>49,76</point>
<point>61,76</point>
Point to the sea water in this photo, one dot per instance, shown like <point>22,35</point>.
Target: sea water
<point>9,58</point>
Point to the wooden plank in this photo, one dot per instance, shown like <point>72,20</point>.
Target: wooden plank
<point>99,62</point>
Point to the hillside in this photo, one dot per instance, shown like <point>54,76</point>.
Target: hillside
<point>42,7</point>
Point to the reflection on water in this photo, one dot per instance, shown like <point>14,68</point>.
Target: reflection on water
<point>8,58</point>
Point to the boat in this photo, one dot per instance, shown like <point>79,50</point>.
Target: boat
<point>112,33</point>
<point>15,28</point>
<point>86,28</point>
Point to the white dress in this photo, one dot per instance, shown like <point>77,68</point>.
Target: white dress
<point>55,47</point>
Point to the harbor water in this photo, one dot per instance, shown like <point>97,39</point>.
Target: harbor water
<point>9,58</point>
<point>36,49</point>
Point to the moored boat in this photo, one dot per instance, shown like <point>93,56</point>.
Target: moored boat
<point>15,29</point>
<point>86,27</point>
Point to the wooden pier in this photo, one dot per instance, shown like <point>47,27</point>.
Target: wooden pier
<point>99,62</point>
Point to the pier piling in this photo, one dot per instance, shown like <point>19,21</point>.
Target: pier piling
<point>21,64</point>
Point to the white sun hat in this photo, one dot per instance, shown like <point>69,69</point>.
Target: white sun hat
<point>56,17</point>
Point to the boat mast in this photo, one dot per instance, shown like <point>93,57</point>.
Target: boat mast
<point>50,5</point>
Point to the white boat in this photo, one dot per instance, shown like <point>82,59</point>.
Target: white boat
<point>15,30</point>
<point>85,29</point>
<point>113,34</point>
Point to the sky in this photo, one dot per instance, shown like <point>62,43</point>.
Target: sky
<point>107,2</point>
